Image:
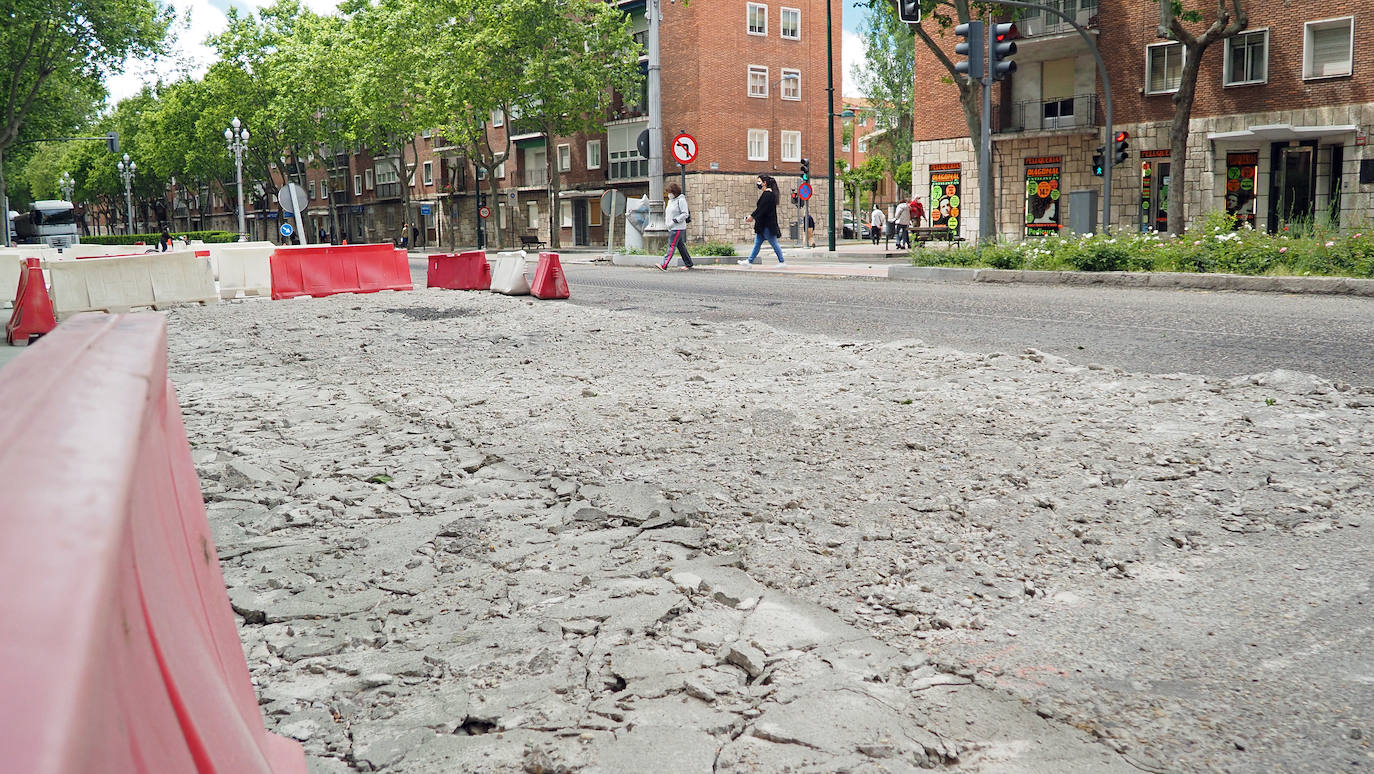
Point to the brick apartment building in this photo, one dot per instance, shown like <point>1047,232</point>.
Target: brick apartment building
<point>746,79</point>
<point>1277,133</point>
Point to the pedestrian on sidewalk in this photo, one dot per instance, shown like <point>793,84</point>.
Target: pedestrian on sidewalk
<point>810,230</point>
<point>405,235</point>
<point>765,219</point>
<point>164,242</point>
<point>877,223</point>
<point>677,216</point>
<point>903,221</point>
<point>918,211</point>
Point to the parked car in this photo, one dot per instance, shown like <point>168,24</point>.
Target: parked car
<point>849,232</point>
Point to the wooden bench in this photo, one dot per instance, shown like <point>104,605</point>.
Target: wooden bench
<point>530,240</point>
<point>922,234</point>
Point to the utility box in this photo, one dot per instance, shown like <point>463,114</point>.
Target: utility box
<point>1083,210</point>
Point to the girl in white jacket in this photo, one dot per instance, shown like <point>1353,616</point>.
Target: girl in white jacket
<point>676,215</point>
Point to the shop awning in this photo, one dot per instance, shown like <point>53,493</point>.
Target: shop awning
<point>1281,132</point>
<point>578,194</point>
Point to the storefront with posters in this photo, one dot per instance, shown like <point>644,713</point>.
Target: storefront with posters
<point>945,196</point>
<point>1154,190</point>
<point>1043,205</point>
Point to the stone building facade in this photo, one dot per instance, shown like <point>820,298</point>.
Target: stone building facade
<point>1277,134</point>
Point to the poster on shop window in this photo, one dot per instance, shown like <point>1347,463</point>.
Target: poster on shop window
<point>1241,170</point>
<point>944,196</point>
<point>1042,195</point>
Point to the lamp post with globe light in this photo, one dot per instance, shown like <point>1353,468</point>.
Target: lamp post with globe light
<point>67,184</point>
<point>237,137</point>
<point>127,169</point>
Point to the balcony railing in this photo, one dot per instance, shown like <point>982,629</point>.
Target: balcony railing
<point>340,196</point>
<point>388,190</point>
<point>1048,115</point>
<point>1037,23</point>
<point>539,176</point>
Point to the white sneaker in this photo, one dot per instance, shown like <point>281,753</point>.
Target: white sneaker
<point>743,262</point>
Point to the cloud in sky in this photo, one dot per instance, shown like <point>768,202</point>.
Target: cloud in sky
<point>852,54</point>
<point>196,20</point>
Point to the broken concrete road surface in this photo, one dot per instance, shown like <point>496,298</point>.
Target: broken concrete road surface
<point>470,533</point>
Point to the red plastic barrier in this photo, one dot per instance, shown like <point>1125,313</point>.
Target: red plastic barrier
<point>118,651</point>
<point>33,314</point>
<point>461,271</point>
<point>323,270</point>
<point>549,281</point>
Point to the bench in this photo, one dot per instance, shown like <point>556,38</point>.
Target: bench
<point>922,234</point>
<point>530,240</point>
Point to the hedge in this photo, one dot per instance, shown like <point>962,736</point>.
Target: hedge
<point>1215,245</point>
<point>151,239</point>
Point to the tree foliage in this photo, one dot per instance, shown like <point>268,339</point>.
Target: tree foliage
<point>887,80</point>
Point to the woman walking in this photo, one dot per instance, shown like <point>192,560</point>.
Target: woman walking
<point>765,219</point>
<point>677,216</point>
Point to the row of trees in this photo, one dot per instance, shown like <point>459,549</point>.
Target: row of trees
<point>309,86</point>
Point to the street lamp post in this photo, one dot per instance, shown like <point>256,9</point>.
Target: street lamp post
<point>830,121</point>
<point>127,169</point>
<point>67,184</point>
<point>237,138</point>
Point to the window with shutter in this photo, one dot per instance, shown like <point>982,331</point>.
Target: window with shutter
<point>1327,48</point>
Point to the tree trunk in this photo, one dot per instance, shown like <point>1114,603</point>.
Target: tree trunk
<point>493,224</point>
<point>1178,136</point>
<point>550,153</point>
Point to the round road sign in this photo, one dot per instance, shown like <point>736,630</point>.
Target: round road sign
<point>684,148</point>
<point>287,229</point>
<point>484,212</point>
<point>804,191</point>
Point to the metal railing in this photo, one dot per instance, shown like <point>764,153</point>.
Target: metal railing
<point>388,190</point>
<point>1038,115</point>
<point>1036,23</point>
<point>539,176</point>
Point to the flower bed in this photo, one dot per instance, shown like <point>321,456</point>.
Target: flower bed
<point>1214,247</point>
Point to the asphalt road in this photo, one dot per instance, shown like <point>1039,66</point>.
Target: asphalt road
<point>1155,331</point>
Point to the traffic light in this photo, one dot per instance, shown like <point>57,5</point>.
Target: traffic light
<point>1120,147</point>
<point>971,47</point>
<point>909,11</point>
<point>805,170</point>
<point>112,142</point>
<point>795,201</point>
<point>1100,160</point>
<point>999,55</point>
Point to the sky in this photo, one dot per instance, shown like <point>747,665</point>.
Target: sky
<point>198,19</point>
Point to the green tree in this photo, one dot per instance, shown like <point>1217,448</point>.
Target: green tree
<point>887,81</point>
<point>54,51</point>
<point>1229,21</point>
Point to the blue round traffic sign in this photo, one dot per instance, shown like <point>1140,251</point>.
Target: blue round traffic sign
<point>804,191</point>
<point>287,229</point>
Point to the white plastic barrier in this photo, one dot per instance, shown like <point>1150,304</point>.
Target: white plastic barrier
<point>242,267</point>
<point>12,265</point>
<point>508,274</point>
<point>96,251</point>
<point>121,283</point>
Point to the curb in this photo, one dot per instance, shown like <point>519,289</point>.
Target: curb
<point>1344,286</point>
<point>652,261</point>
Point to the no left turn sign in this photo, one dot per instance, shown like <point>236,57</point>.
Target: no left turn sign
<point>684,148</point>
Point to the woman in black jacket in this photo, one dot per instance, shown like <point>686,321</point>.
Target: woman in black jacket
<point>765,219</point>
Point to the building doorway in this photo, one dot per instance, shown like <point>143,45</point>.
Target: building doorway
<point>1293,185</point>
<point>581,235</point>
<point>1154,190</point>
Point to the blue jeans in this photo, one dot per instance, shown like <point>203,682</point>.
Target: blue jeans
<point>772,240</point>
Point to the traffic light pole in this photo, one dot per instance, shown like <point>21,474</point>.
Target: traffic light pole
<point>1108,136</point>
<point>985,221</point>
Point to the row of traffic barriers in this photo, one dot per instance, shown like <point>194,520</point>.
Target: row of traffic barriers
<point>506,274</point>
<point>118,649</point>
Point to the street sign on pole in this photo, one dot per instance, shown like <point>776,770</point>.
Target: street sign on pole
<point>484,212</point>
<point>292,198</point>
<point>286,230</point>
<point>684,148</point>
<point>804,191</point>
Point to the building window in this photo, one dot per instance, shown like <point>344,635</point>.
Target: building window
<point>863,146</point>
<point>428,133</point>
<point>791,146</point>
<point>845,146</point>
<point>324,189</point>
<point>758,81</point>
<point>357,185</point>
<point>312,189</point>
<point>368,179</point>
<point>791,24</point>
<point>498,118</point>
<point>791,85</point>
<point>532,214</point>
<point>429,173</point>
<point>501,171</point>
<point>1247,58</point>
<point>623,150</point>
<point>501,215</point>
<point>565,214</point>
<point>593,154</point>
<point>758,19</point>
<point>565,158</point>
<point>1163,67</point>
<point>1327,48</point>
<point>758,144</point>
